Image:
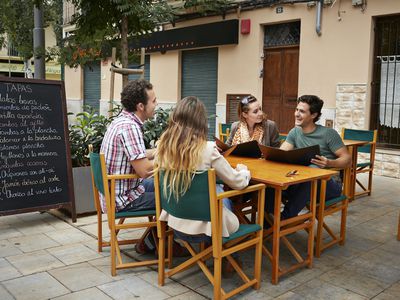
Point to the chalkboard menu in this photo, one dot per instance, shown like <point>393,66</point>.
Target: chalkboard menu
<point>35,164</point>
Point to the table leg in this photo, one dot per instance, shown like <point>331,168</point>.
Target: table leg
<point>321,209</point>
<point>276,236</point>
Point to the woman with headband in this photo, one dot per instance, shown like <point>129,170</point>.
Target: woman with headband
<point>253,125</point>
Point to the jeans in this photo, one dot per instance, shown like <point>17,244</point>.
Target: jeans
<point>298,195</point>
<point>146,201</point>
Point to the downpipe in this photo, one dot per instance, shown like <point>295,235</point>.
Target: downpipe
<point>319,17</point>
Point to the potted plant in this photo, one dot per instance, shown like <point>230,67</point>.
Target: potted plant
<point>153,128</point>
<point>88,128</point>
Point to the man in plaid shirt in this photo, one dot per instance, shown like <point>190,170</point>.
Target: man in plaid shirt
<point>124,149</point>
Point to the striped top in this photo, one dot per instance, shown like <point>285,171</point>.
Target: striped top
<point>122,143</point>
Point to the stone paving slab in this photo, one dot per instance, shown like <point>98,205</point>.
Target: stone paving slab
<point>89,294</point>
<point>132,288</point>
<point>80,276</point>
<point>30,243</point>
<point>7,249</point>
<point>7,271</point>
<point>37,286</point>
<point>74,253</point>
<point>4,295</point>
<point>52,258</point>
<point>34,262</point>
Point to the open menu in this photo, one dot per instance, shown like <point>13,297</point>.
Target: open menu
<point>300,156</point>
<point>248,149</point>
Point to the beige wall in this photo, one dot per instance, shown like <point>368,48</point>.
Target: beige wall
<point>342,54</point>
<point>165,75</point>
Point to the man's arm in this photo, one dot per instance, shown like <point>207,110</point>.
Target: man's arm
<point>143,167</point>
<point>343,160</point>
<point>286,146</point>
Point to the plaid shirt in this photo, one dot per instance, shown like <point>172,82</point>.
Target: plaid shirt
<point>122,143</point>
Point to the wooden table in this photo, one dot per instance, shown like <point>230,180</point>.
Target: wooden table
<point>352,146</point>
<point>273,174</point>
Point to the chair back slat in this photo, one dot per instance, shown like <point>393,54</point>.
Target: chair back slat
<point>225,127</point>
<point>360,135</point>
<point>95,165</point>
<point>194,204</point>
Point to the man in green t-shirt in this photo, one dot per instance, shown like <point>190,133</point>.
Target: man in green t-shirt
<point>334,154</point>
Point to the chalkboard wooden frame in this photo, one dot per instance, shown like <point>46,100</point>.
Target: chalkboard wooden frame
<point>70,203</point>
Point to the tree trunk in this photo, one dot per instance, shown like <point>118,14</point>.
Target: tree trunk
<point>124,48</point>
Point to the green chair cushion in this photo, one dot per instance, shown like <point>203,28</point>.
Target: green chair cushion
<point>335,200</point>
<point>242,231</point>
<point>363,165</point>
<point>139,213</point>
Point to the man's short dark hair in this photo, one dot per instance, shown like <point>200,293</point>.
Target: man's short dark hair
<point>135,92</point>
<point>315,104</point>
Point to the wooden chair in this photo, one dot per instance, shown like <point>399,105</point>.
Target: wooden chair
<point>282,137</point>
<point>105,184</point>
<point>201,202</point>
<point>326,208</point>
<point>224,131</point>
<point>368,166</point>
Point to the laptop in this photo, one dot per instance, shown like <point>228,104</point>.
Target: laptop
<point>248,149</point>
<point>300,156</point>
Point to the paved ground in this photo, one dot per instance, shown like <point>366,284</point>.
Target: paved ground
<point>43,256</point>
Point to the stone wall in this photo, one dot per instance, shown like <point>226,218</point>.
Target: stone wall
<point>350,113</point>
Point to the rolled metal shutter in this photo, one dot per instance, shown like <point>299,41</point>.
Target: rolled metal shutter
<point>91,85</point>
<point>200,79</point>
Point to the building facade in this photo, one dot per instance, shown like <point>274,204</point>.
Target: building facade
<point>12,65</point>
<point>347,52</point>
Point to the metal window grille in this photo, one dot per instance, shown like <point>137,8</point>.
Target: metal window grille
<point>385,110</point>
<point>278,35</point>
<point>11,51</point>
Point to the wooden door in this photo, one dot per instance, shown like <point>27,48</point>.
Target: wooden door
<point>281,70</point>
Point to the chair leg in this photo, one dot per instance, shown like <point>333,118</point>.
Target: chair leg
<point>99,232</point>
<point>370,182</point>
<point>113,241</point>
<point>161,257</point>
<point>343,222</point>
<point>170,252</point>
<point>258,260</point>
<point>217,277</point>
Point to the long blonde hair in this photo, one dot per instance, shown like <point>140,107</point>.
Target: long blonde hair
<point>180,147</point>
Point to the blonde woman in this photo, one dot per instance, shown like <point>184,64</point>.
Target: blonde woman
<point>183,150</point>
<point>253,125</point>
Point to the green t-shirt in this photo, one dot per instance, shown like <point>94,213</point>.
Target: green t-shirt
<point>328,140</point>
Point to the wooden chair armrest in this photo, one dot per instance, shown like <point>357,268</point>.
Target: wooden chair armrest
<point>249,189</point>
<point>122,176</point>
